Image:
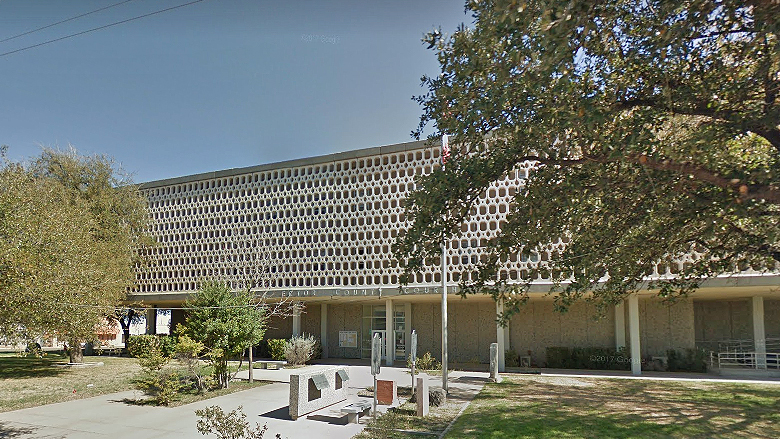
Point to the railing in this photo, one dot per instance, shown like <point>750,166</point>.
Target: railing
<point>749,360</point>
<point>736,345</point>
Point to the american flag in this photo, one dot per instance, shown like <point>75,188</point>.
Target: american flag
<point>445,148</point>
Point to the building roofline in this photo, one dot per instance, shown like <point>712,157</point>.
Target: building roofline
<point>345,155</point>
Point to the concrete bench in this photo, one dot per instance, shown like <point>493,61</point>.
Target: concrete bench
<point>354,410</point>
<point>263,364</point>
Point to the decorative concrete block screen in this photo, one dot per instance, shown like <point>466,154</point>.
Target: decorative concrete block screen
<point>314,390</point>
<point>322,224</point>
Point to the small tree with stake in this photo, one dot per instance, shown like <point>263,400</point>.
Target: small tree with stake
<point>226,322</point>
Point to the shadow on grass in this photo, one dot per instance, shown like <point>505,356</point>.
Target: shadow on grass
<point>607,409</point>
<point>30,367</point>
<point>9,431</point>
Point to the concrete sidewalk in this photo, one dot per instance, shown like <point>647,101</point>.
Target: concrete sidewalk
<point>108,416</point>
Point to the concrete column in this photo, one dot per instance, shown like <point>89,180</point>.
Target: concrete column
<point>620,326</point>
<point>296,323</point>
<point>633,330</point>
<point>408,320</point>
<point>390,339</point>
<point>324,329</point>
<point>759,334</point>
<point>500,340</point>
<point>151,320</point>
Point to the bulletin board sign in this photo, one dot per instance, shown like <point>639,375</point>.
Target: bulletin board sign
<point>348,339</point>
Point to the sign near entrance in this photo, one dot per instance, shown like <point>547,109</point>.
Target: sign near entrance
<point>376,355</point>
<point>413,352</point>
<point>348,339</point>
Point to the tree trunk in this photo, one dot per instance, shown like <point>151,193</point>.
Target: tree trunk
<point>126,336</point>
<point>75,353</point>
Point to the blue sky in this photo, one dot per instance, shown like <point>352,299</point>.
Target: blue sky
<point>215,85</point>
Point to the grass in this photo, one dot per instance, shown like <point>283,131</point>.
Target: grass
<point>404,423</point>
<point>555,407</point>
<point>30,382</point>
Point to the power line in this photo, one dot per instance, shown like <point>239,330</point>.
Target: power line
<point>63,21</point>
<point>100,27</point>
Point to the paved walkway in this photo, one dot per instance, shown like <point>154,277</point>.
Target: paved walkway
<point>107,416</point>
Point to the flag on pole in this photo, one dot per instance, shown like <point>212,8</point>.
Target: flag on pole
<point>445,148</point>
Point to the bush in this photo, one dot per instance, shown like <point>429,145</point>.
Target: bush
<point>34,350</point>
<point>693,360</point>
<point>233,425</point>
<point>276,348</point>
<point>587,358</point>
<point>139,345</point>
<point>300,349</point>
<point>511,358</point>
<point>426,362</point>
<point>163,385</point>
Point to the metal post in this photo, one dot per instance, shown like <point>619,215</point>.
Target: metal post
<point>251,374</point>
<point>444,315</point>
<point>445,152</point>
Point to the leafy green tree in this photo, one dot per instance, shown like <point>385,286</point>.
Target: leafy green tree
<point>225,322</point>
<point>126,317</point>
<point>652,127</point>
<point>70,227</point>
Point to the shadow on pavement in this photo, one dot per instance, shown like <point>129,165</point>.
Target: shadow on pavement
<point>282,413</point>
<point>9,431</point>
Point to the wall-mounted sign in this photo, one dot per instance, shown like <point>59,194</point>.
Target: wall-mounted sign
<point>348,339</point>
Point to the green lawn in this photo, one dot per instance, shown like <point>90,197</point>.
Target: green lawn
<point>29,382</point>
<point>552,407</point>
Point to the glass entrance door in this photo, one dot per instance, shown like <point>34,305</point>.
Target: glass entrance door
<point>400,344</point>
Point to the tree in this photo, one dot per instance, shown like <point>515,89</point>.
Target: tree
<point>652,128</point>
<point>126,317</point>
<point>70,230</point>
<point>225,322</point>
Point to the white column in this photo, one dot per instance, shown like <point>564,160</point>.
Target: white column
<point>296,323</point>
<point>324,329</point>
<point>620,326</point>
<point>500,340</point>
<point>408,320</point>
<point>633,330</point>
<point>151,320</point>
<point>759,335</point>
<point>390,336</point>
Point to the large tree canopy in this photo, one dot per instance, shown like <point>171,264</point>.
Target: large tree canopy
<point>70,228</point>
<point>653,127</point>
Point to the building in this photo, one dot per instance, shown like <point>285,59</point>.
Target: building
<point>319,231</point>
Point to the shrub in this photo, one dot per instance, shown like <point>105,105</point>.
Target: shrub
<point>187,351</point>
<point>34,350</point>
<point>587,358</point>
<point>693,360</point>
<point>163,385</point>
<point>233,425</point>
<point>139,345</point>
<point>300,349</point>
<point>511,358</point>
<point>426,362</point>
<point>276,348</point>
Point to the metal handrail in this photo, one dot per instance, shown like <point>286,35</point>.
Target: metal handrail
<point>749,360</point>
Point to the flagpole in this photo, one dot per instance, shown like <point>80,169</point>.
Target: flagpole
<point>444,150</point>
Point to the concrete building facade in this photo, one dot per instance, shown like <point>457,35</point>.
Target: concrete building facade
<point>319,231</point>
